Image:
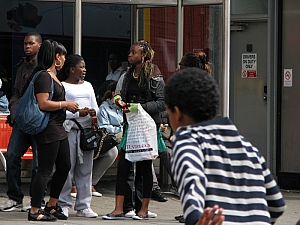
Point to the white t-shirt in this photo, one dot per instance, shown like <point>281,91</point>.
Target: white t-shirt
<point>84,95</point>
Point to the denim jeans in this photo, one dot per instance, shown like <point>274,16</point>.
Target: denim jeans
<point>19,142</point>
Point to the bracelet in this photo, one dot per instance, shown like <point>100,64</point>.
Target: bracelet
<point>59,104</point>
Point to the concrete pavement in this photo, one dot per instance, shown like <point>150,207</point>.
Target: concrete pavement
<point>103,205</point>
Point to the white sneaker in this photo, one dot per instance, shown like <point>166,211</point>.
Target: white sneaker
<point>73,195</point>
<point>151,215</point>
<point>130,214</point>
<point>27,207</point>
<point>89,213</point>
<point>96,194</point>
<point>10,205</point>
<point>65,210</point>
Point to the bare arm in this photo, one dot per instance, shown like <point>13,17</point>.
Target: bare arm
<point>49,105</point>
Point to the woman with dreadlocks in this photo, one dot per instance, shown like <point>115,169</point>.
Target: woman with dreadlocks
<point>138,85</point>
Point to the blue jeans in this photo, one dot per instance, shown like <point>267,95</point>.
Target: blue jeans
<point>18,144</point>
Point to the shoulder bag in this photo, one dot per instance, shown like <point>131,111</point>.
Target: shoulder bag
<point>96,139</point>
<point>107,142</point>
<point>28,115</point>
<point>89,137</point>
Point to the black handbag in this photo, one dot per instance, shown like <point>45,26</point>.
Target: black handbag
<point>96,139</point>
<point>108,141</point>
<point>89,137</point>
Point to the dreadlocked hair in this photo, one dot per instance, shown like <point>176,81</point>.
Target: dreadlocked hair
<point>147,67</point>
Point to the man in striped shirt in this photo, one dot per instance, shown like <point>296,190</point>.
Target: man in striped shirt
<point>211,162</point>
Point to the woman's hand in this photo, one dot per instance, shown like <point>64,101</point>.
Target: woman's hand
<point>208,217</point>
<point>163,127</point>
<point>71,106</point>
<point>92,112</point>
<point>83,112</point>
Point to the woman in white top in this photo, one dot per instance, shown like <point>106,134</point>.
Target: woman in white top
<point>81,91</point>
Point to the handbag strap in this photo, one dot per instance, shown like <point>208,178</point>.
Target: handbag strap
<point>78,124</point>
<point>30,81</point>
<point>101,145</point>
<point>81,128</point>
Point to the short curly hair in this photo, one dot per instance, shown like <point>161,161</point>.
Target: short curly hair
<point>194,92</point>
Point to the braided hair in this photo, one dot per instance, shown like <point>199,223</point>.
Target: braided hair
<point>198,60</point>
<point>147,67</point>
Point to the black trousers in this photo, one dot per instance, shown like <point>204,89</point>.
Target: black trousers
<point>143,181</point>
<point>57,153</point>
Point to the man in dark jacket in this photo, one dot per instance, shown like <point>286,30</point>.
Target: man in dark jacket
<point>19,141</point>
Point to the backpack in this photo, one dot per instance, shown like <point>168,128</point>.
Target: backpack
<point>28,115</point>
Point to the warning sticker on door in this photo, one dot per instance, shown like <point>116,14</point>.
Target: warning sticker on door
<point>287,76</point>
<point>249,65</point>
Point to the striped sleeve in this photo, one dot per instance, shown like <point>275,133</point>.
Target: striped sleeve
<point>276,203</point>
<point>188,171</point>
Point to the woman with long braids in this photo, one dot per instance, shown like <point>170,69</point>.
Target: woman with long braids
<point>138,85</point>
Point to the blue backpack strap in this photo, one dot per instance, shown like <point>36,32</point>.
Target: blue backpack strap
<point>52,89</point>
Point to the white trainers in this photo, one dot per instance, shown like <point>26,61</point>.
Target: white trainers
<point>130,214</point>
<point>27,207</point>
<point>65,210</point>
<point>89,213</point>
<point>151,215</point>
<point>96,194</point>
<point>10,205</point>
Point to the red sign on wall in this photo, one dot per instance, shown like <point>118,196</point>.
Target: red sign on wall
<point>251,73</point>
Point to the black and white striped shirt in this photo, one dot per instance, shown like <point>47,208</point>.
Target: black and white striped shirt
<point>213,164</point>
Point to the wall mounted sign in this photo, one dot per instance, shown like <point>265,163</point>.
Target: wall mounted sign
<point>249,65</point>
<point>288,77</point>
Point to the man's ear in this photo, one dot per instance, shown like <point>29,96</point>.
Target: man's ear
<point>178,114</point>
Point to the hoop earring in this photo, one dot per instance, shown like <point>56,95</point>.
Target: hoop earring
<point>59,63</point>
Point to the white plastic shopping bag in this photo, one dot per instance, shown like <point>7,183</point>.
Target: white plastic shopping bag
<point>141,136</point>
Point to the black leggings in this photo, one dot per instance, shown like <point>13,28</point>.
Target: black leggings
<point>143,169</point>
<point>57,153</point>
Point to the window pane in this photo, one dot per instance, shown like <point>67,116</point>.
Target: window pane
<point>202,31</point>
<point>249,7</point>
